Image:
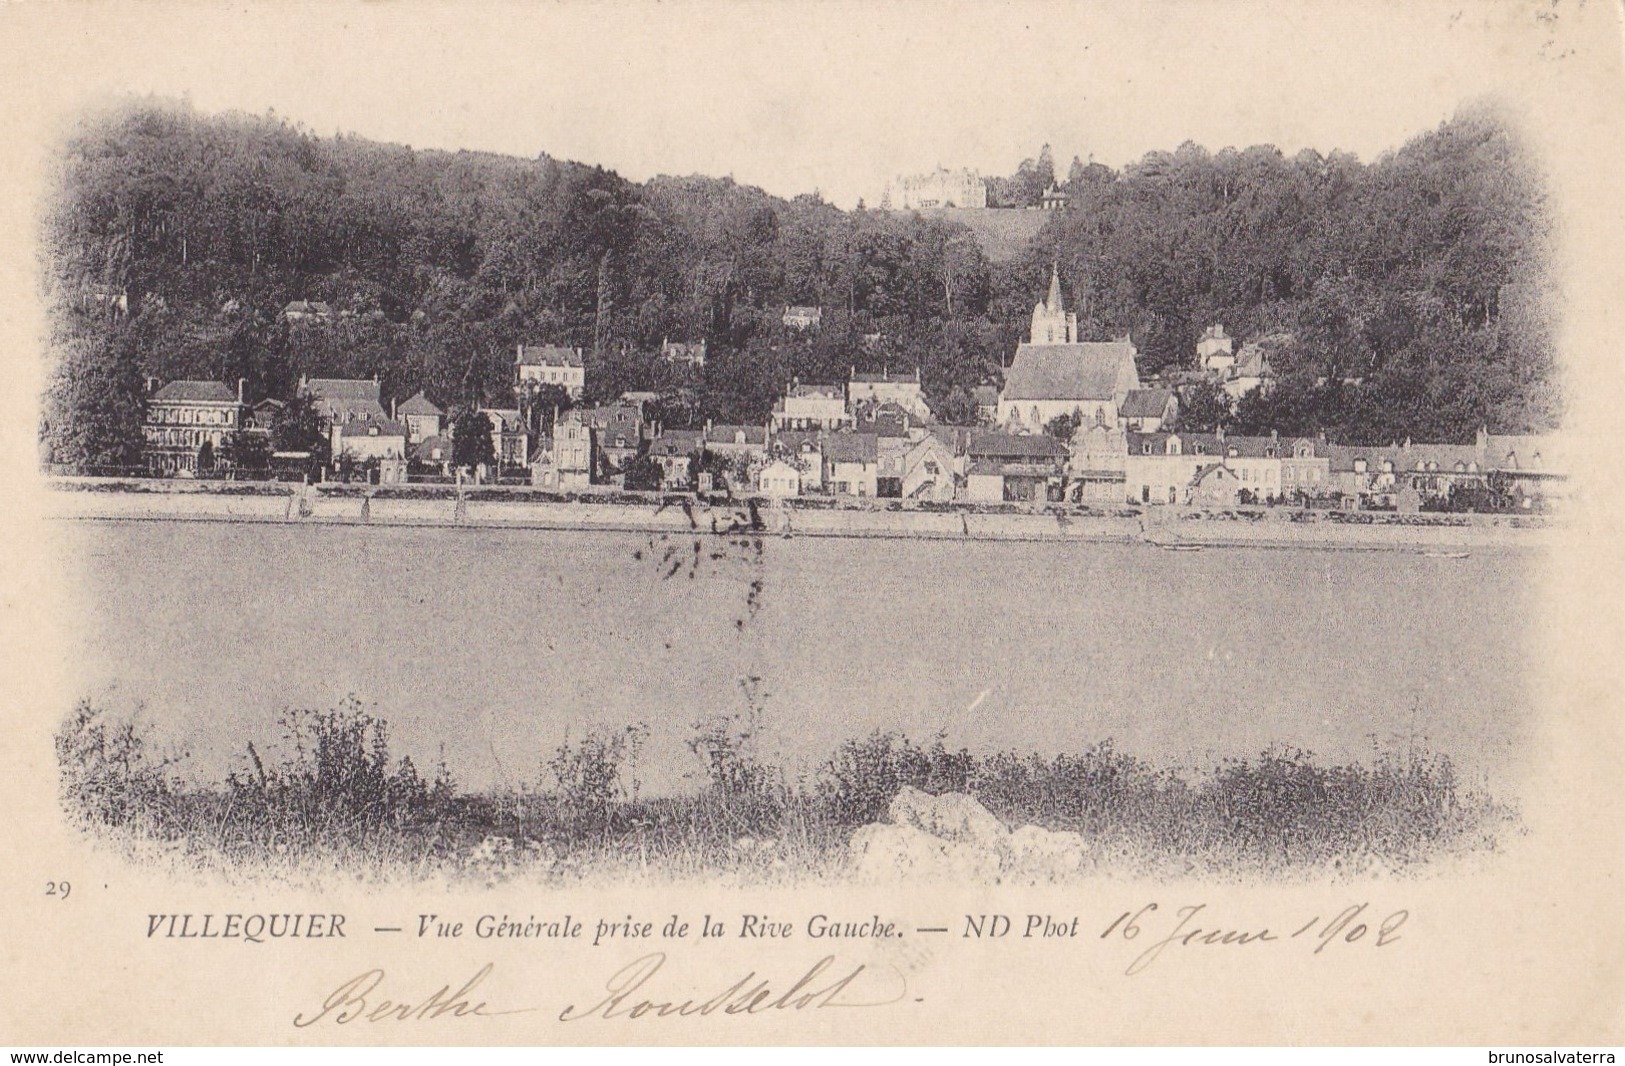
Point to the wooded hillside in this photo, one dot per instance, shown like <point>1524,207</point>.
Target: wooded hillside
<point>1412,285</point>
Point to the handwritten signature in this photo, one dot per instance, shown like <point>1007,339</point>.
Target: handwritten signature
<point>814,990</point>
<point>365,997</point>
<point>358,999</point>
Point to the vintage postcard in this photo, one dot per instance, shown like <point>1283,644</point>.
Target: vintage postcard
<point>817,523</point>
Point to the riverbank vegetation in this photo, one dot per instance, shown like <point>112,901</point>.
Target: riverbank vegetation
<point>334,797</point>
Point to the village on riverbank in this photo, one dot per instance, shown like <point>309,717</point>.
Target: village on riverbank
<point>1071,423</point>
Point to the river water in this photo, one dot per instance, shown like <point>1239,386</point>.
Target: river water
<point>489,645</point>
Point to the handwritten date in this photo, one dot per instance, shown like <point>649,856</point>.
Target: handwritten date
<point>1191,929</point>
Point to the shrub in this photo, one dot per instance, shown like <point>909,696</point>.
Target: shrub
<point>334,781</point>
<point>862,776</point>
<point>107,775</point>
<point>587,773</point>
<point>728,746</point>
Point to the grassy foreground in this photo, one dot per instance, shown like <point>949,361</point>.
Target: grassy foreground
<point>334,801</point>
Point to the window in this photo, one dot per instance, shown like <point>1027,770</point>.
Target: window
<point>1145,449</point>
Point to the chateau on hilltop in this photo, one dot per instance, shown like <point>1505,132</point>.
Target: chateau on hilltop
<point>940,188</point>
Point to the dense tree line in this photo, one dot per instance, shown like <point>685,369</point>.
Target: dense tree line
<point>1391,277</point>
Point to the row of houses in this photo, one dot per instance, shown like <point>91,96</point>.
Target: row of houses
<point>874,435</point>
<point>879,449</point>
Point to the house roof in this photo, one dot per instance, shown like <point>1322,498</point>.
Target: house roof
<point>1216,471</point>
<point>622,415</point>
<point>1086,371</point>
<point>887,419</point>
<point>505,419</point>
<point>993,444</point>
<point>195,392</point>
<point>1443,457</point>
<point>1146,403</point>
<point>795,439</point>
<point>851,447</point>
<point>955,437</point>
<point>309,307</point>
<point>828,392</point>
<point>1254,355</point>
<point>341,390</point>
<point>676,442</point>
<point>1002,468</point>
<point>419,405</point>
<point>886,377</point>
<point>1534,453</point>
<point>721,434</point>
<point>548,355</point>
<point>376,427</point>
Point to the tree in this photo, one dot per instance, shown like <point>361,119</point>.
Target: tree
<point>644,473</point>
<point>244,449</point>
<point>471,445</point>
<point>1064,427</point>
<point>956,408</point>
<point>94,406</point>
<point>544,403</point>
<point>205,458</point>
<point>1203,407</point>
<point>299,427</point>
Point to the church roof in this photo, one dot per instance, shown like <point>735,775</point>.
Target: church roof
<point>1084,371</point>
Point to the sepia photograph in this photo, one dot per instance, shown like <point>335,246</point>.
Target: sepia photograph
<point>732,506</point>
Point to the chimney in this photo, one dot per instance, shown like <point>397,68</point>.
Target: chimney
<point>240,383</point>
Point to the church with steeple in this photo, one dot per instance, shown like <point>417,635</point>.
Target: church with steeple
<point>1052,323</point>
<point>1055,374</point>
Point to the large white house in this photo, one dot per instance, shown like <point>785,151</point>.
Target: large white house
<point>1055,374</point>
<point>549,364</point>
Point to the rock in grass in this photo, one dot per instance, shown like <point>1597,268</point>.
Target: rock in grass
<point>950,816</point>
<point>954,837</point>
<point>1043,854</point>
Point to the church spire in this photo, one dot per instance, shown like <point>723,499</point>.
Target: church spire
<point>1053,304</point>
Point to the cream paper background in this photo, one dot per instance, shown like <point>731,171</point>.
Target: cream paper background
<point>1523,950</point>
